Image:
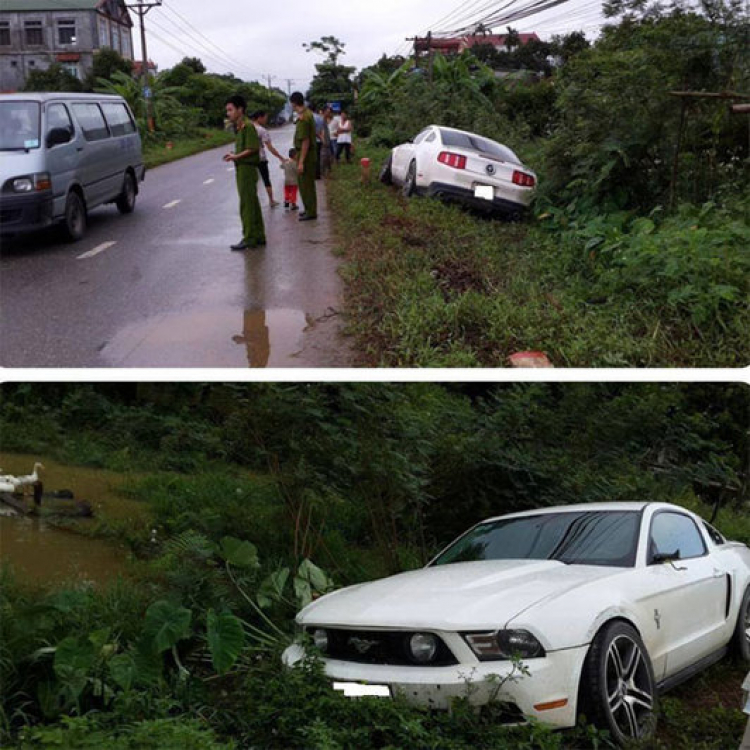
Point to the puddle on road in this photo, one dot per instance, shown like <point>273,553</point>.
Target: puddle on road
<point>212,338</point>
<point>43,554</point>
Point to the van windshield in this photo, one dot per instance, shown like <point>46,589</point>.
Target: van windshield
<point>19,126</point>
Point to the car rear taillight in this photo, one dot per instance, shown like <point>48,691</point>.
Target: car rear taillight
<point>523,179</point>
<point>457,161</point>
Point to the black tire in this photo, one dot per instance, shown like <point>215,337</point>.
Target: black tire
<point>74,221</point>
<point>618,689</point>
<point>126,200</point>
<point>410,183</point>
<point>741,637</point>
<point>386,172</point>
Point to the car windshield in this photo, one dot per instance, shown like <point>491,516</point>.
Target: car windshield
<point>583,538</point>
<point>477,143</point>
<point>19,126</point>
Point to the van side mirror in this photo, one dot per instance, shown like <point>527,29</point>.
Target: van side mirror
<point>58,136</point>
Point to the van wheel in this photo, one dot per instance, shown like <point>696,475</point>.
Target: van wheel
<point>126,200</point>
<point>74,223</point>
<point>618,689</point>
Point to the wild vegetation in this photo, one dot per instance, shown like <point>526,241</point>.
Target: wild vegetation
<point>635,251</point>
<point>265,495</point>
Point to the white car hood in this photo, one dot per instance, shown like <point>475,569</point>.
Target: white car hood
<point>460,596</point>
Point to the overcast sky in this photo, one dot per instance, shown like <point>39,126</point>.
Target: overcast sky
<point>255,39</point>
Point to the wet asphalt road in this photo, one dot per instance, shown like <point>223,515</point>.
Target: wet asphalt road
<point>160,287</point>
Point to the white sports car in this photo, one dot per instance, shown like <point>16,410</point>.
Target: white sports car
<point>605,604</point>
<point>464,167</point>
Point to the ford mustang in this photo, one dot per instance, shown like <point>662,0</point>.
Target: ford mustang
<point>591,609</point>
<point>462,167</point>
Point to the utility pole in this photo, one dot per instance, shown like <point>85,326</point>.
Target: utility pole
<point>430,53</point>
<point>141,9</point>
<point>270,80</point>
<point>289,82</point>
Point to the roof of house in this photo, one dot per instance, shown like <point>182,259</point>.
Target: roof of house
<point>496,40</point>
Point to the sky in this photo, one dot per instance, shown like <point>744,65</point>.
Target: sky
<point>255,40</point>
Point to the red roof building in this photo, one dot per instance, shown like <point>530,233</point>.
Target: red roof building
<point>457,45</point>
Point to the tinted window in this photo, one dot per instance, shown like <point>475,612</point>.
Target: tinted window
<point>19,125</point>
<point>33,33</point>
<point>118,119</point>
<point>421,136</point>
<point>4,33</point>
<point>58,117</point>
<point>716,537</point>
<point>91,120</point>
<point>476,143</point>
<point>586,538</point>
<point>675,533</point>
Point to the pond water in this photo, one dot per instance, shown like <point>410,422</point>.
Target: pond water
<point>40,552</point>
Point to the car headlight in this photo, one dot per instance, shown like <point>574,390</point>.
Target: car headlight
<point>504,644</point>
<point>31,183</point>
<point>23,185</point>
<point>320,639</point>
<point>423,647</point>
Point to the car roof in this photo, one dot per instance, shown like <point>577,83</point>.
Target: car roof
<point>42,97</point>
<point>579,507</point>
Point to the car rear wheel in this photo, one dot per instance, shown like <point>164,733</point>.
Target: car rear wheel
<point>74,221</point>
<point>386,171</point>
<point>410,183</point>
<point>618,689</point>
<point>741,638</point>
<point>126,200</point>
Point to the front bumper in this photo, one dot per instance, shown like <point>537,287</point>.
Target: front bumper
<point>25,212</point>
<point>466,196</point>
<point>552,678</point>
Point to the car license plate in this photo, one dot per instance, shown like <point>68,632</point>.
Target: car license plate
<point>357,690</point>
<point>485,192</point>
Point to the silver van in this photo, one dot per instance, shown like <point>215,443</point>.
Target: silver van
<point>62,155</point>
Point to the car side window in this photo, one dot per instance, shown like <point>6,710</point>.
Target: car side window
<point>431,137</point>
<point>716,537</point>
<point>91,120</point>
<point>421,137</point>
<point>675,533</point>
<point>118,119</point>
<point>59,117</point>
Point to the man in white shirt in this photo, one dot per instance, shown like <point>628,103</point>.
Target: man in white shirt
<point>260,120</point>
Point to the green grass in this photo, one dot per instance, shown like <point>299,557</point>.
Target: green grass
<point>430,285</point>
<point>156,154</point>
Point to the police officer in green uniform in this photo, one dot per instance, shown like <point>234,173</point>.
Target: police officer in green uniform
<point>246,158</point>
<point>304,142</point>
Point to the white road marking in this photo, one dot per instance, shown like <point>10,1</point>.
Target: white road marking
<point>98,249</point>
<point>172,204</point>
<point>209,181</point>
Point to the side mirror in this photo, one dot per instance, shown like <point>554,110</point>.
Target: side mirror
<point>58,136</point>
<point>665,557</point>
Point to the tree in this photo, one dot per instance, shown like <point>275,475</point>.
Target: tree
<point>329,46</point>
<point>106,63</point>
<point>194,63</point>
<point>332,82</point>
<point>54,78</point>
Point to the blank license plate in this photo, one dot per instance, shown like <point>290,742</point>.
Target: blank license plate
<point>486,192</point>
<point>355,690</point>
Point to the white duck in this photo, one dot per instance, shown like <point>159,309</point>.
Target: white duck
<point>10,483</point>
<point>33,477</point>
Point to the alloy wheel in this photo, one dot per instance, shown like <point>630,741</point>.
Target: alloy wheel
<point>630,691</point>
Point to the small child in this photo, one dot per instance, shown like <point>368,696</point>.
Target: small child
<point>290,180</point>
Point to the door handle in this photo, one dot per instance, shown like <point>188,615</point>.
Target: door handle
<point>719,573</point>
<point>79,148</point>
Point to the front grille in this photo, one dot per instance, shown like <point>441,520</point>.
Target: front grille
<point>379,647</point>
<point>10,215</point>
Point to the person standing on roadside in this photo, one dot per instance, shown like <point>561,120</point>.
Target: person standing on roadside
<point>344,137</point>
<point>333,128</point>
<point>260,120</point>
<point>246,158</point>
<point>304,142</point>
